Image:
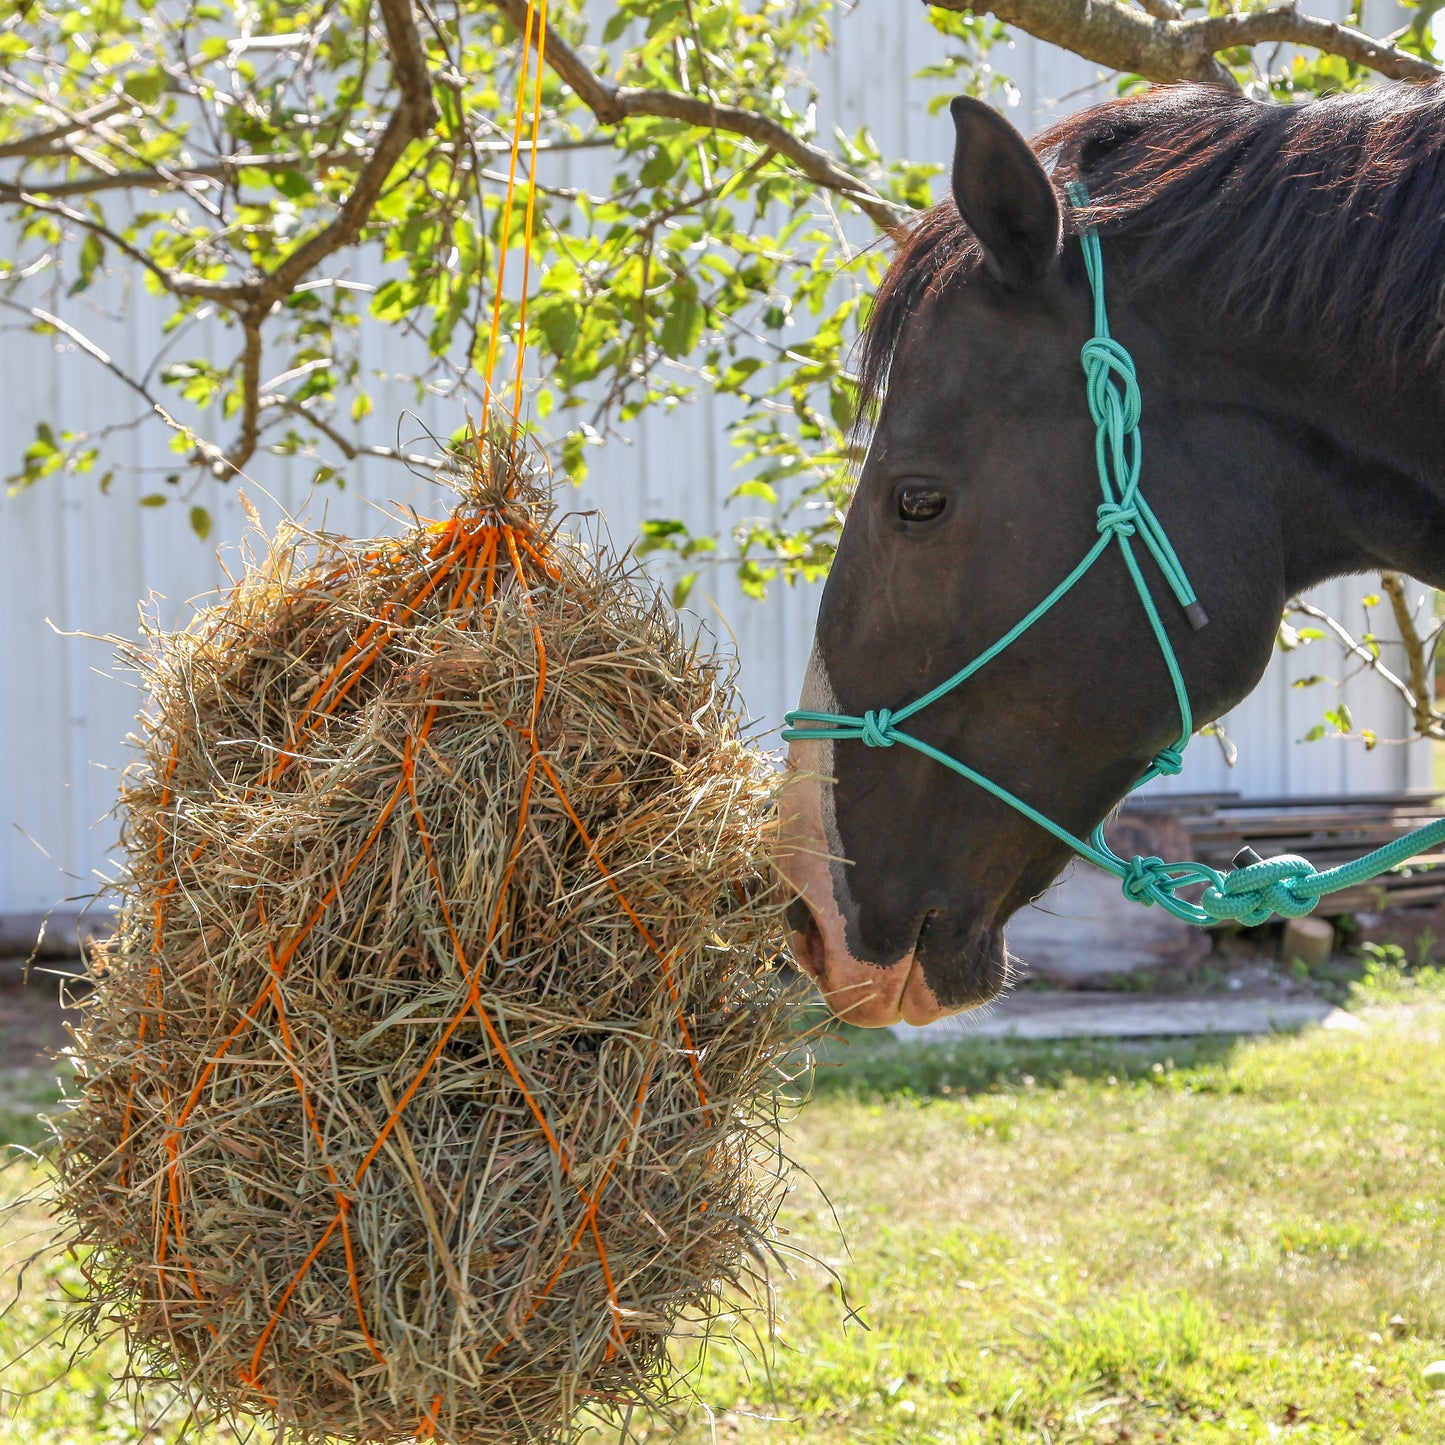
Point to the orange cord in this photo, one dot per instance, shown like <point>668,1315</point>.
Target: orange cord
<point>506,226</point>
<point>527,226</point>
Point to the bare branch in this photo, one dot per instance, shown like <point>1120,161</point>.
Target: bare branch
<point>1164,49</point>
<point>211,454</point>
<point>1428,722</point>
<point>245,448</point>
<point>51,142</point>
<point>1285,23</point>
<point>613,104</point>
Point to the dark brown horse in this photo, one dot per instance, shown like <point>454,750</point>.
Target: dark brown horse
<point>1278,274</point>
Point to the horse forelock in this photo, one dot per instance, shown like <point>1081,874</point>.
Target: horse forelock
<point>1324,221</point>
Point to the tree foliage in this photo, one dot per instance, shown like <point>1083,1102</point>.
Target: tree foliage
<point>241,156</point>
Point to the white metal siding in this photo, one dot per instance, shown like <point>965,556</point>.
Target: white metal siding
<point>74,561</point>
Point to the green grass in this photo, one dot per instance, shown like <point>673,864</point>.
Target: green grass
<point>1182,1241</point>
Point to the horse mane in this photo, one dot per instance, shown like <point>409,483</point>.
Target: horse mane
<point>1323,222</point>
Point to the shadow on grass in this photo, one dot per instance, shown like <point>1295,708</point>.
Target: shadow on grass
<point>870,1063</point>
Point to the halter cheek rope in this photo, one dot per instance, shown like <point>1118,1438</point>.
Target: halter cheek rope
<point>1288,885</point>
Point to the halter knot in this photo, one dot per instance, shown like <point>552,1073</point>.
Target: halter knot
<point>1253,895</point>
<point>1104,359</point>
<point>1118,518</point>
<point>877,729</point>
<point>1169,762</point>
<point>1147,880</point>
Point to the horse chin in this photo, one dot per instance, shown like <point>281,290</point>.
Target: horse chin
<point>868,995</point>
<point>966,967</point>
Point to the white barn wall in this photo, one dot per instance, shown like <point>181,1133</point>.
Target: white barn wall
<point>73,560</point>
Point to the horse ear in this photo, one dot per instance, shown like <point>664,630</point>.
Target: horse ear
<point>1003,194</point>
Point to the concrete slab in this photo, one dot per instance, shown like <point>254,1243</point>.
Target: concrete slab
<point>1031,1015</point>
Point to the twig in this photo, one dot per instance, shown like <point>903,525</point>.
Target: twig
<point>1428,722</point>
<point>613,104</point>
<point>48,142</point>
<point>1355,648</point>
<point>212,454</point>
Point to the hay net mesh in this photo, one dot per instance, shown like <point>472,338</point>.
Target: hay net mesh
<point>427,1082</point>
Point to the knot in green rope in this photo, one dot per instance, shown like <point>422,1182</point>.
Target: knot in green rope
<point>1253,894</point>
<point>1105,359</point>
<point>877,729</point>
<point>1169,762</point>
<point>1147,880</point>
<point>1116,519</point>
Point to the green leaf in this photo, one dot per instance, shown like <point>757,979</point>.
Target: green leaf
<point>683,326</point>
<point>682,589</point>
<point>293,185</point>
<point>154,499</point>
<point>145,87</point>
<point>754,488</point>
<point>1315,733</point>
<point>92,255</point>
<point>200,522</point>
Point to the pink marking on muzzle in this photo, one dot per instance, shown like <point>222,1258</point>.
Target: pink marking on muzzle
<point>858,992</point>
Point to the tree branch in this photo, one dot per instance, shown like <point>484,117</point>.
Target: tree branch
<point>1163,49</point>
<point>50,142</point>
<point>177,283</point>
<point>348,449</point>
<point>1285,23</point>
<point>1112,34</point>
<point>245,447</point>
<point>211,454</point>
<point>613,104</point>
<point>1434,726</point>
<point>163,179</point>
<point>412,119</point>
<point>1428,722</point>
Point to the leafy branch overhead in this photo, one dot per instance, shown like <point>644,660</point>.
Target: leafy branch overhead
<point>1159,42</point>
<point>306,173</point>
<point>301,186</point>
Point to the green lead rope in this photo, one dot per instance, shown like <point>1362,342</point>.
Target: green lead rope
<point>1288,885</point>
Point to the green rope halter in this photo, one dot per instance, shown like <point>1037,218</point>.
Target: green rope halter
<point>1288,885</point>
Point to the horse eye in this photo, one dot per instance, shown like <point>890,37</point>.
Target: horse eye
<point>919,502</point>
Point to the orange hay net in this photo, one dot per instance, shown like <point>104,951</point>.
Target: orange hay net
<point>462,564</point>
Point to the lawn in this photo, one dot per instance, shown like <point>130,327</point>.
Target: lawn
<point>1192,1242</point>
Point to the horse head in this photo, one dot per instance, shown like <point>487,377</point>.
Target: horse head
<point>980,492</point>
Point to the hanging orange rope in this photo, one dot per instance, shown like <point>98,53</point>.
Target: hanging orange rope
<point>536,23</point>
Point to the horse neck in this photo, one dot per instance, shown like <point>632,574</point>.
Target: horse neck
<point>1356,461</point>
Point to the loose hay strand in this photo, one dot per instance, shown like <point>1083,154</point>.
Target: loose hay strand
<point>428,1080</point>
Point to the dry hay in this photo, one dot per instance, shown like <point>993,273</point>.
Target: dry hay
<point>427,1083</point>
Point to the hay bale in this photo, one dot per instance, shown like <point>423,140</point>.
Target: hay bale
<point>426,1085</point>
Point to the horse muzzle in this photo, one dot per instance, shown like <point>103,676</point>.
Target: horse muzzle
<point>867,994</point>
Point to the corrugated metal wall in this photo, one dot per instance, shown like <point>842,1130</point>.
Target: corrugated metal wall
<point>75,563</point>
